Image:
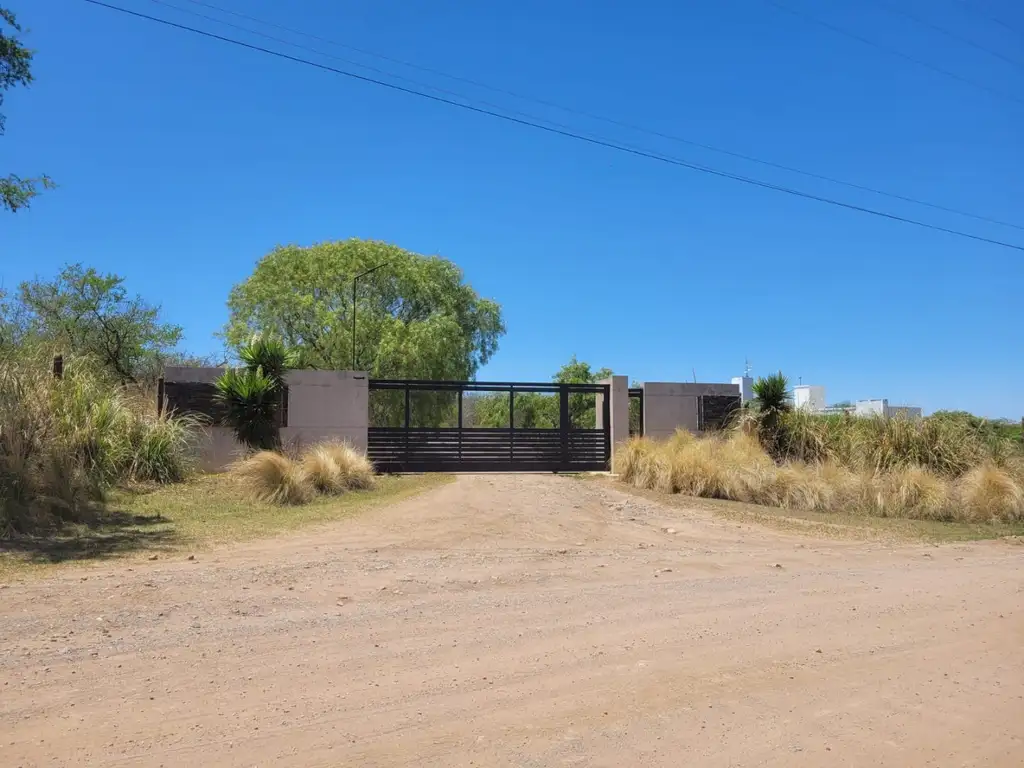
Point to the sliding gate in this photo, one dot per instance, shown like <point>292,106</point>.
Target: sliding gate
<point>470,426</point>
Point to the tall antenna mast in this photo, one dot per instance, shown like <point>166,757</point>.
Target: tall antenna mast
<point>746,367</point>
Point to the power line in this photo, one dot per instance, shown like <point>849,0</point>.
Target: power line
<point>965,40</point>
<point>546,103</point>
<point>559,131</point>
<point>995,20</point>
<point>892,51</point>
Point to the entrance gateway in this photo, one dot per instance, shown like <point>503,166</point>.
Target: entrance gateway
<point>472,426</point>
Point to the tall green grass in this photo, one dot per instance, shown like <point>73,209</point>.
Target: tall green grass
<point>947,447</point>
<point>65,442</point>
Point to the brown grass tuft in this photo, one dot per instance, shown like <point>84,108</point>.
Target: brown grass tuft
<point>988,492</point>
<point>356,470</point>
<point>914,492</point>
<point>323,470</point>
<point>275,478</point>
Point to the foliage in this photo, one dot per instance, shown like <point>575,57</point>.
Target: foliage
<point>417,319</point>
<point>272,477</point>
<point>250,400</point>
<point>949,447</point>
<point>539,410</point>
<point>65,442</point>
<point>328,468</point>
<point>269,355</point>
<point>15,69</point>
<point>736,467</point>
<point>771,400</point>
<point>252,396</point>
<point>82,313</point>
<point>987,428</point>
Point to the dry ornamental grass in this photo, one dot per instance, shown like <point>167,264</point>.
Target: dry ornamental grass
<point>328,469</point>
<point>734,466</point>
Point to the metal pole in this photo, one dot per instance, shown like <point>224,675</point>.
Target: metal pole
<point>355,279</point>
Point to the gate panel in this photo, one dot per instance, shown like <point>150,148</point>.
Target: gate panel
<point>436,448</point>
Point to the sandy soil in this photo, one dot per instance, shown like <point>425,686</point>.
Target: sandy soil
<point>523,621</point>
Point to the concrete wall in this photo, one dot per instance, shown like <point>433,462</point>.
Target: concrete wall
<point>618,411</point>
<point>669,406</point>
<point>327,405</point>
<point>322,405</point>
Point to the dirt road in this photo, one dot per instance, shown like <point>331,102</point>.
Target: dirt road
<point>523,621</point>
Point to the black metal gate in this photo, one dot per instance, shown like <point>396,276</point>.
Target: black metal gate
<point>470,426</point>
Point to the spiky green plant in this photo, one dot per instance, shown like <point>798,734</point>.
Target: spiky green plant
<point>250,401</point>
<point>771,399</point>
<point>252,395</point>
<point>269,354</point>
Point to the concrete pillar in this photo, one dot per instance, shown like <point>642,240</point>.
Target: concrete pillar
<point>619,410</point>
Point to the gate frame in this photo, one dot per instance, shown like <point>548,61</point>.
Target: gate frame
<point>565,462</point>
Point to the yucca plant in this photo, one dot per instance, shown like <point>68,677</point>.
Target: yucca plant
<point>269,354</point>
<point>250,400</point>
<point>771,399</point>
<point>252,395</point>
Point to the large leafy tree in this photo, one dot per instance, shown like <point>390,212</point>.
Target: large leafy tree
<point>15,69</point>
<point>84,313</point>
<point>416,317</point>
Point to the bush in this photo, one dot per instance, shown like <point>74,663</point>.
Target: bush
<point>882,480</point>
<point>356,470</point>
<point>271,476</point>
<point>64,442</point>
<point>328,468</point>
<point>990,493</point>
<point>945,446</point>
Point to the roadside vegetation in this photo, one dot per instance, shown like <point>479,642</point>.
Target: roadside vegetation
<point>938,468</point>
<point>327,469</point>
<point>66,442</point>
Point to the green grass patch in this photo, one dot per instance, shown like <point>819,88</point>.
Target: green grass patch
<point>203,512</point>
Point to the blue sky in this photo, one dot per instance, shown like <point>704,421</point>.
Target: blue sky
<point>181,161</point>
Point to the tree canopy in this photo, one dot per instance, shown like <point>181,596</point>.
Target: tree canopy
<point>415,316</point>
<point>84,313</point>
<point>535,410</point>
<point>15,69</point>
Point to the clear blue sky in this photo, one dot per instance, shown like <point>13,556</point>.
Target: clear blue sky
<point>181,161</point>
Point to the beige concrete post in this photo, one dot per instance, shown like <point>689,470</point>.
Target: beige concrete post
<point>619,410</point>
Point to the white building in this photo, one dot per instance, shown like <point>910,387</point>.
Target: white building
<point>881,407</point>
<point>809,397</point>
<point>746,385</point>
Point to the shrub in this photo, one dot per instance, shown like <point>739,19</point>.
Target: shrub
<point>988,492</point>
<point>736,467</point>
<point>64,442</point>
<point>323,471</point>
<point>356,470</point>
<point>273,477</point>
<point>250,399</point>
<point>915,492</point>
<point>251,396</point>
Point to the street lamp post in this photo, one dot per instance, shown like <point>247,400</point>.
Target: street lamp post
<point>354,281</point>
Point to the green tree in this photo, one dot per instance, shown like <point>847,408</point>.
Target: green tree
<point>416,317</point>
<point>15,69</point>
<point>84,313</point>
<point>540,410</point>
